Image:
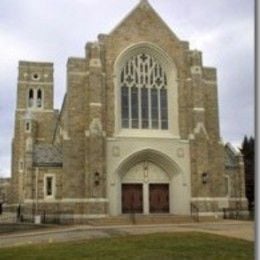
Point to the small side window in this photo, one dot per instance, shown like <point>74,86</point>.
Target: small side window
<point>49,186</point>
<point>27,126</point>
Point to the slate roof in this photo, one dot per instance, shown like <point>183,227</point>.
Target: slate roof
<point>231,157</point>
<point>47,155</point>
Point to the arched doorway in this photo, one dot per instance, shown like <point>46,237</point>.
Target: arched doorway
<point>145,187</point>
<point>150,182</point>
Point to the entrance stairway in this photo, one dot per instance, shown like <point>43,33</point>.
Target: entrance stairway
<point>140,219</point>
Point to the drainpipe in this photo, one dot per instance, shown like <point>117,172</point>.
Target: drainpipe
<point>36,190</point>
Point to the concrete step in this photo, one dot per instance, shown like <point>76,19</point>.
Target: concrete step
<point>119,220</point>
<point>128,219</point>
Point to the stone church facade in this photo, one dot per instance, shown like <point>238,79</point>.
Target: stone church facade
<point>138,130</point>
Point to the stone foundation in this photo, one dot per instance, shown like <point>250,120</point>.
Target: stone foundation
<point>64,212</point>
<point>218,206</point>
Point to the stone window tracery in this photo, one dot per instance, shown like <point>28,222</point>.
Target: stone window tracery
<point>144,103</point>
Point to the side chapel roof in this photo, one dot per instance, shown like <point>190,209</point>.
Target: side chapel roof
<point>47,155</point>
<point>231,156</point>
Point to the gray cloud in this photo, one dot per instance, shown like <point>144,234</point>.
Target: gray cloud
<point>54,30</point>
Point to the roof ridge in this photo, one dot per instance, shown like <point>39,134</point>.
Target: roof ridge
<point>145,5</point>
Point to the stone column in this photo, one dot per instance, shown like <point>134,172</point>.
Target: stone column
<point>95,132</point>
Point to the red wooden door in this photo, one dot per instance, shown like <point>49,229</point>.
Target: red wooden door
<point>132,198</point>
<point>159,198</point>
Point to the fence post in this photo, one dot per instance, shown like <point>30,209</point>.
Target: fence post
<point>18,213</point>
<point>44,217</point>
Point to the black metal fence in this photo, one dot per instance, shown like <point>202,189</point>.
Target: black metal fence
<point>194,212</point>
<point>234,213</point>
<point>28,214</point>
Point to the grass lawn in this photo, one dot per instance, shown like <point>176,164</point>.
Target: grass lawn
<point>15,228</point>
<point>193,245</point>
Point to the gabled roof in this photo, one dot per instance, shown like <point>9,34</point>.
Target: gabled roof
<point>144,4</point>
<point>231,156</point>
<point>47,155</point>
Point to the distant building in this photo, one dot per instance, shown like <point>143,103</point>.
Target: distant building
<point>138,130</point>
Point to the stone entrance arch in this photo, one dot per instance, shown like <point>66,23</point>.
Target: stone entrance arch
<point>145,189</point>
<point>156,177</point>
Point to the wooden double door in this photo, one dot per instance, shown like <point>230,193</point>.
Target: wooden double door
<point>159,198</point>
<point>132,198</point>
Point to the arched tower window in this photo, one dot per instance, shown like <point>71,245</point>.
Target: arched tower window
<point>39,98</point>
<point>144,102</point>
<point>35,98</point>
<point>31,98</point>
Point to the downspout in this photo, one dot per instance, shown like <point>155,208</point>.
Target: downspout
<point>36,190</point>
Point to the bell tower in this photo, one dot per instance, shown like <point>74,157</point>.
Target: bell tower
<point>35,86</point>
<point>34,119</point>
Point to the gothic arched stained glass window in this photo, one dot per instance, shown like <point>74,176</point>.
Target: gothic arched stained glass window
<point>144,103</point>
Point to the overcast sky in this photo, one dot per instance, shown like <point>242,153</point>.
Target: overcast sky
<point>53,30</point>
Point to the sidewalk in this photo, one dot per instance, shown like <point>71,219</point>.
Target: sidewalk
<point>236,229</point>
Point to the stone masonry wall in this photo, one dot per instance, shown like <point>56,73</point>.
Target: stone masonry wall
<point>31,75</point>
